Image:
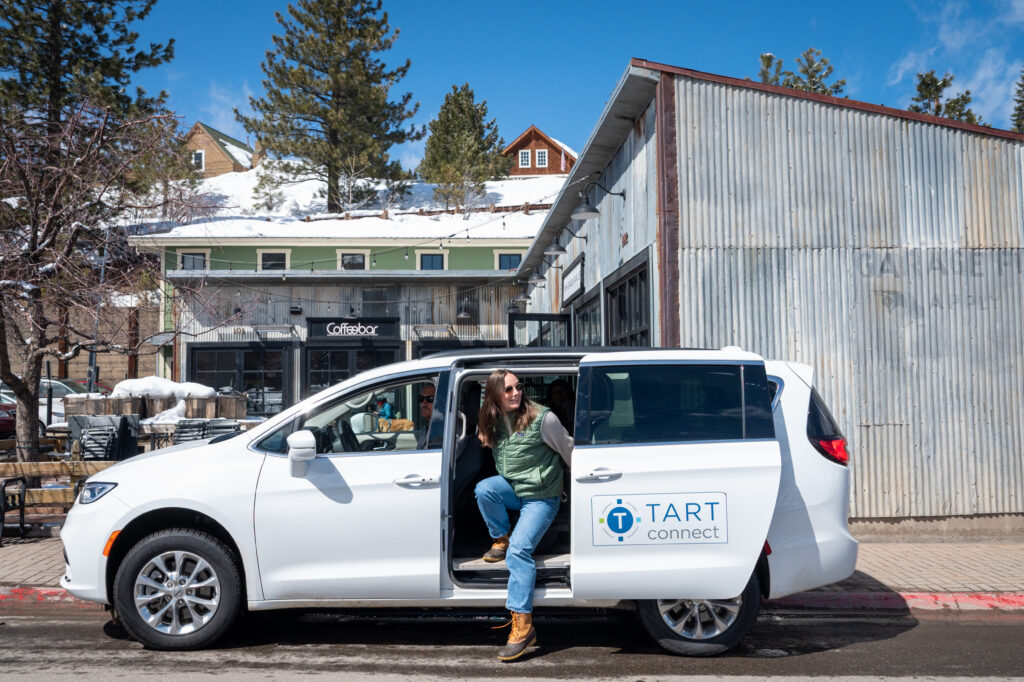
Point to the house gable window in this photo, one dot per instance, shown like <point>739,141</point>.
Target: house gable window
<point>352,259</point>
<point>431,261</point>
<point>524,158</point>
<point>270,259</point>
<point>542,158</point>
<point>507,261</point>
<point>199,160</point>
<point>196,259</point>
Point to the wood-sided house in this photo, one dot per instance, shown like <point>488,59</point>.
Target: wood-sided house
<point>536,153</point>
<point>214,153</point>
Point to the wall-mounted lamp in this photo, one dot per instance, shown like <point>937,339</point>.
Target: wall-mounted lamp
<point>555,249</point>
<point>295,309</point>
<point>586,209</point>
<point>463,313</point>
<point>351,314</point>
<point>537,280</point>
<point>522,297</point>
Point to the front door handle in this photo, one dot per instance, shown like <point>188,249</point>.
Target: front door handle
<point>416,481</point>
<point>599,475</point>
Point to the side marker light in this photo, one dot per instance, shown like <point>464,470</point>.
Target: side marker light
<point>110,542</point>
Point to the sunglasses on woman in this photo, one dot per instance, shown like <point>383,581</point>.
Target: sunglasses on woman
<point>517,387</point>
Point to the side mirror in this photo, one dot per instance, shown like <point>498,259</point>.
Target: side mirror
<point>301,449</point>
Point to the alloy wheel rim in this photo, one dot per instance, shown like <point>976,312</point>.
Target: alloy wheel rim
<point>177,592</point>
<point>699,619</point>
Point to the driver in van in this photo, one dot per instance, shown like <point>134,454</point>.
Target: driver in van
<point>529,444</point>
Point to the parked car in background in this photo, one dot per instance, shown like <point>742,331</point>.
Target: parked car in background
<point>701,482</point>
<point>7,401</point>
<point>8,416</point>
<point>98,387</point>
<point>60,387</point>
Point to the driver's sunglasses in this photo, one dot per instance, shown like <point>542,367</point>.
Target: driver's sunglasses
<point>517,387</point>
<point>427,398</point>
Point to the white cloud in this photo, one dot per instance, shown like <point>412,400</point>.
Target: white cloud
<point>1014,13</point>
<point>955,31</point>
<point>218,112</point>
<point>991,86</point>
<point>912,63</point>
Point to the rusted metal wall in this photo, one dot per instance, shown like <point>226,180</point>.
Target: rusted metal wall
<point>886,253</point>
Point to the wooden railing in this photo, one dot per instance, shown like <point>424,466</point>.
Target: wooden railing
<point>54,497</point>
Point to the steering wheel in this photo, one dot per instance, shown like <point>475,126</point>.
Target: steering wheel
<point>348,437</point>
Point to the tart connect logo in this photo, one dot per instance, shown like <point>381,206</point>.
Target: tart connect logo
<point>660,518</point>
<point>619,519</point>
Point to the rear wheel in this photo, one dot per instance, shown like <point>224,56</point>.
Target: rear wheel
<point>178,589</point>
<point>702,627</point>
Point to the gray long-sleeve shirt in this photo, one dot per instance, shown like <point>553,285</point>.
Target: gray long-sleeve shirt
<point>554,435</point>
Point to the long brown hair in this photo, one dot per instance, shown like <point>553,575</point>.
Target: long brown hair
<point>491,412</point>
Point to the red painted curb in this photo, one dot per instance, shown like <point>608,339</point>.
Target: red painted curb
<point>902,601</point>
<point>50,597</point>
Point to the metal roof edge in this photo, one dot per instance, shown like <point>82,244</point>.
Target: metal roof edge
<point>827,99</point>
<point>593,157</point>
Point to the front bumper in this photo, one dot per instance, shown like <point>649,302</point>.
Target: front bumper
<point>84,535</point>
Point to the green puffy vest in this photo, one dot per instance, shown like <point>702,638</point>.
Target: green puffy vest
<point>523,459</point>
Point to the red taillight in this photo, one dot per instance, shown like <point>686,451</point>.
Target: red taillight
<point>834,449</point>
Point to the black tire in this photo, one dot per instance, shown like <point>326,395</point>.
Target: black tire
<point>149,553</point>
<point>695,640</point>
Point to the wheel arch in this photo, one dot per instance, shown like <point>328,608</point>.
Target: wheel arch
<point>162,519</point>
<point>763,571</point>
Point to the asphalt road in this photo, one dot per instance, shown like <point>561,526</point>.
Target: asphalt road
<point>41,645</point>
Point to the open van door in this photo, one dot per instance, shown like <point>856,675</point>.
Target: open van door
<point>674,474</point>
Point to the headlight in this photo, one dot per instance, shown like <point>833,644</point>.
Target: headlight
<point>93,491</point>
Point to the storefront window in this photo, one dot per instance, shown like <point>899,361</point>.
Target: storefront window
<point>588,323</point>
<point>627,303</point>
<point>257,372</point>
<point>538,330</point>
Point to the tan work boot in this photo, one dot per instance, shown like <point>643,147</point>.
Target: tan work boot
<point>521,637</point>
<point>497,551</point>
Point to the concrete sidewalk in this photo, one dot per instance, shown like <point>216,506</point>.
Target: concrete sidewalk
<point>889,575</point>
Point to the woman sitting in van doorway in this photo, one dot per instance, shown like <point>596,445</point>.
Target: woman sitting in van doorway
<point>527,440</point>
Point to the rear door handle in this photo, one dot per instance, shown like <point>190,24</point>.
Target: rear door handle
<point>416,481</point>
<point>599,475</point>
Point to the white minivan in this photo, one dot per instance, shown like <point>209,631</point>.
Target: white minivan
<point>701,481</point>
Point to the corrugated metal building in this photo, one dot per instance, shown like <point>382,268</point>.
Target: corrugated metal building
<point>882,247</point>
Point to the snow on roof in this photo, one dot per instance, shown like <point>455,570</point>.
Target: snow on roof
<point>239,216</point>
<point>483,225</point>
<point>240,155</point>
<point>564,146</point>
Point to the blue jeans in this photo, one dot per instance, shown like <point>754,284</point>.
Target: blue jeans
<point>495,498</point>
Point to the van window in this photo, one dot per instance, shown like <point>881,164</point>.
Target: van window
<point>665,403</point>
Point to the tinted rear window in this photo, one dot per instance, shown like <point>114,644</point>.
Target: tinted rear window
<point>820,424</point>
<point>674,403</point>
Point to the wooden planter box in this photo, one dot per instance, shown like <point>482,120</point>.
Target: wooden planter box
<point>227,407</point>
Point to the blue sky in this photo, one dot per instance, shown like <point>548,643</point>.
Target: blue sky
<point>553,64</point>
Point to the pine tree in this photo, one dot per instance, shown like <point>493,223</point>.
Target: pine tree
<point>326,101</point>
<point>771,69</point>
<point>59,54</point>
<point>463,149</point>
<point>811,75</point>
<point>929,99</point>
<point>1017,117</point>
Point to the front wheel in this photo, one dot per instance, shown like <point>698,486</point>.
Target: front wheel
<point>178,589</point>
<point>701,627</point>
